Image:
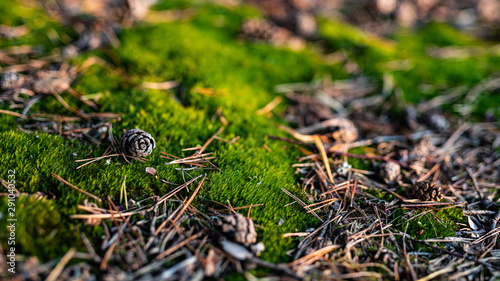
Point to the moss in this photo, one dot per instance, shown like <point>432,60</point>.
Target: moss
<point>39,228</point>
<point>359,163</point>
<point>204,52</point>
<point>412,48</point>
<point>427,226</point>
<point>172,4</point>
<point>44,33</point>
<point>246,73</point>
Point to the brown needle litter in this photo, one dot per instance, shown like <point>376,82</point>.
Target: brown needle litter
<point>369,191</point>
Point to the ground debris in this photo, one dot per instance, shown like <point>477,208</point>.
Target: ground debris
<point>266,31</point>
<point>238,228</point>
<point>98,23</point>
<point>425,191</point>
<point>28,82</point>
<point>161,237</point>
<point>384,16</point>
<point>198,160</point>
<point>416,168</point>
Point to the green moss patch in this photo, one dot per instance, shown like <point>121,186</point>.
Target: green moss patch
<point>204,52</point>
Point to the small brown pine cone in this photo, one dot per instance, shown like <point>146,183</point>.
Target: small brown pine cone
<point>136,142</point>
<point>239,229</point>
<point>425,191</point>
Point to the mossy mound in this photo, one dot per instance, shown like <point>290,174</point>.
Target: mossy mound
<point>201,52</point>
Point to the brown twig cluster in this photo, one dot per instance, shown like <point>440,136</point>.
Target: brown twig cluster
<point>29,78</point>
<point>97,23</point>
<point>383,16</point>
<point>364,213</point>
<point>160,238</point>
<point>199,159</point>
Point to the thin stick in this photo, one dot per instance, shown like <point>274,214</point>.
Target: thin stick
<point>190,199</point>
<point>12,113</point>
<point>60,265</point>
<point>109,252</point>
<point>68,107</point>
<point>92,160</point>
<point>427,205</point>
<point>78,189</point>
<point>321,148</point>
<point>90,248</point>
<point>456,135</point>
<point>428,174</point>
<point>176,247</point>
<point>301,203</point>
<point>270,106</point>
<point>199,152</point>
<point>470,258</point>
<point>102,216</point>
<point>177,189</point>
<point>370,157</point>
<point>243,207</point>
<point>476,186</point>
<point>312,257</point>
<point>291,141</point>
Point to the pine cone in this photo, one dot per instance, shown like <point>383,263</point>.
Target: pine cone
<point>238,228</point>
<point>425,191</point>
<point>136,142</point>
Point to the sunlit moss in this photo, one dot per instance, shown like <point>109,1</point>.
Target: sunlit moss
<point>204,52</point>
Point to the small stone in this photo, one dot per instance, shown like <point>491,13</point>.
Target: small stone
<point>386,6</point>
<point>70,51</point>
<point>390,172</point>
<point>257,248</point>
<point>151,171</point>
<point>345,134</point>
<point>306,24</point>
<point>212,262</point>
<point>10,80</point>
<point>280,222</point>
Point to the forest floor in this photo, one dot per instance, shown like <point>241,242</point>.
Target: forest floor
<point>239,126</point>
